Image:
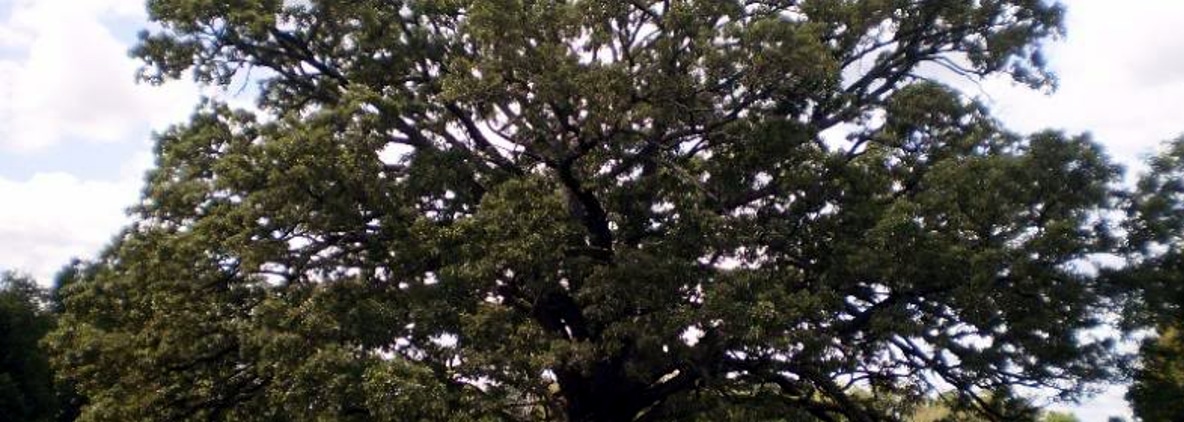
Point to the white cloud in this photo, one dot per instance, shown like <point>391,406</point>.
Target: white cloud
<point>1101,408</point>
<point>74,80</point>
<point>69,79</point>
<point>1122,78</point>
<point>65,77</point>
<point>52,217</point>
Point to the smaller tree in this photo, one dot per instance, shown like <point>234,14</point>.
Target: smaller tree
<point>947,408</point>
<point>26,382</point>
<point>29,389</point>
<point>1159,382</point>
<point>1155,251</point>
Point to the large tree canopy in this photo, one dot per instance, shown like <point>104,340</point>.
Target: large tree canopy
<point>595,210</point>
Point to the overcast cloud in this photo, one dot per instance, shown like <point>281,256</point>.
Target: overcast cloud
<point>65,79</point>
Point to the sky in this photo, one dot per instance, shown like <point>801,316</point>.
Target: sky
<point>75,127</point>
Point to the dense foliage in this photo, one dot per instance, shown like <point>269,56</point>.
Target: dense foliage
<point>26,383</point>
<point>595,210</point>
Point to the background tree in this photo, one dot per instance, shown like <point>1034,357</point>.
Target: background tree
<point>1155,285</point>
<point>937,411</point>
<point>594,210</point>
<point>1059,417</point>
<point>1159,381</point>
<point>27,388</point>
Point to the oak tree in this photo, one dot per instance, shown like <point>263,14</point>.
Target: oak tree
<point>595,210</point>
